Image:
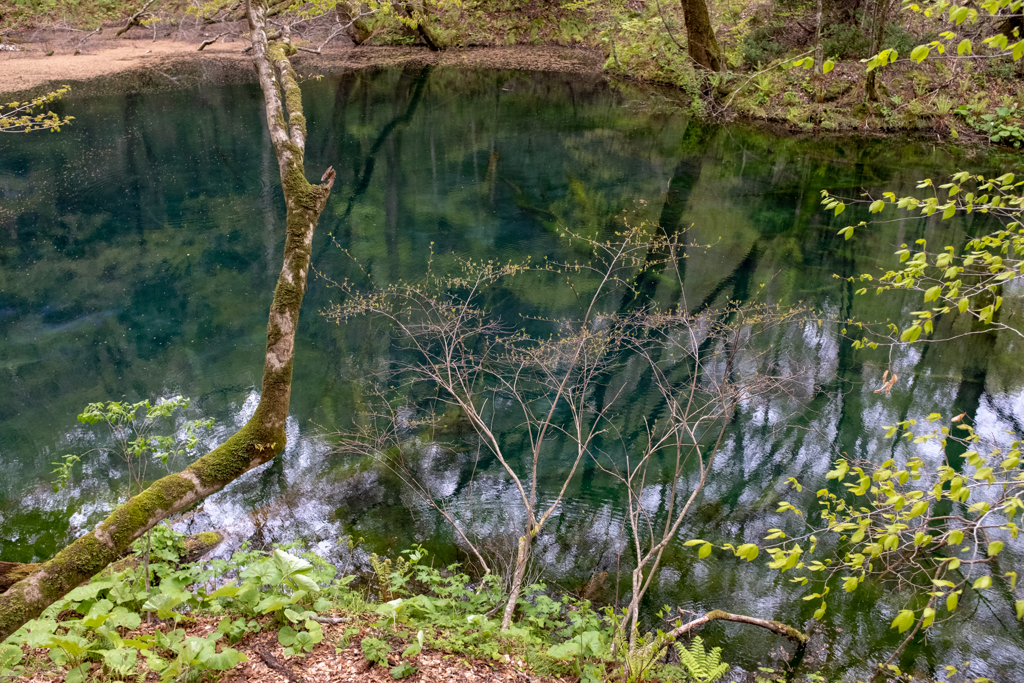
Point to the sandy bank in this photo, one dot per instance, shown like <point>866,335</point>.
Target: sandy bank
<point>129,64</point>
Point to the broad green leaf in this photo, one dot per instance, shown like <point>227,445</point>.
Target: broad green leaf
<point>225,659</point>
<point>982,582</point>
<point>79,674</point>
<point>904,620</point>
<point>994,547</point>
<point>952,601</point>
<point>929,617</point>
<point>704,551</point>
<point>290,564</point>
<point>828,66</point>
<point>1020,609</point>
<point>10,657</point>
<point>965,47</point>
<point>305,582</point>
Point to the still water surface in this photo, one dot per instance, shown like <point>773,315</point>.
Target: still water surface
<point>139,248</point>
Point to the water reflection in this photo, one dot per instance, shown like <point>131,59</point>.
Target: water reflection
<point>139,247</point>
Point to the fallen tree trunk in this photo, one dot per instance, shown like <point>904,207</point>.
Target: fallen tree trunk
<point>195,547</point>
<point>263,436</point>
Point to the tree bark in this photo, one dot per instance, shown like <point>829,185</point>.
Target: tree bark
<point>700,36</point>
<point>518,574</point>
<point>263,437</point>
<point>881,14</point>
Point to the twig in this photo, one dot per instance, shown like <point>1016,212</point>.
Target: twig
<point>82,41</point>
<point>667,29</point>
<point>277,666</point>
<point>211,41</point>
<point>329,620</point>
<point>135,19</point>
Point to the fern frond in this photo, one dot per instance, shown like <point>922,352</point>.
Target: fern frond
<point>701,665</point>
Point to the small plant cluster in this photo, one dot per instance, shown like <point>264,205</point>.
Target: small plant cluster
<point>1004,127</point>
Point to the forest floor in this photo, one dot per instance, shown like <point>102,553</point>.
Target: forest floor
<point>338,659</point>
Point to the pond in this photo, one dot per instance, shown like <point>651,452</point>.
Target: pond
<point>139,248</point>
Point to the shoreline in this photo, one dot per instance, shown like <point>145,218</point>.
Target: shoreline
<point>134,64</point>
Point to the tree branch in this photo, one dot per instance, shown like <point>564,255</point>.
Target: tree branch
<point>718,615</point>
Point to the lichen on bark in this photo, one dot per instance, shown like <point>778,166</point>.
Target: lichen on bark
<point>263,436</point>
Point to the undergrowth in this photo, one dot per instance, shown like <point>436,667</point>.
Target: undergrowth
<point>405,607</point>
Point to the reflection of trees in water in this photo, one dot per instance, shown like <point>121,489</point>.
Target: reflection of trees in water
<point>138,223</point>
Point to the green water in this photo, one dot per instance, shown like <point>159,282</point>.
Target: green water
<point>139,247</point>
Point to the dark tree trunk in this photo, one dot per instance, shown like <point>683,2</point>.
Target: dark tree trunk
<point>700,36</point>
<point>263,437</point>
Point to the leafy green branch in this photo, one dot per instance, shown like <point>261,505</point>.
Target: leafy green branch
<point>26,117</point>
<point>968,280</point>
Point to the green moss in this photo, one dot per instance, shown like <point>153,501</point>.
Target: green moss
<point>232,458</point>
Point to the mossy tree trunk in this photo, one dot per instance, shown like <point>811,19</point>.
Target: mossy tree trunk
<point>700,36</point>
<point>880,17</point>
<point>263,437</point>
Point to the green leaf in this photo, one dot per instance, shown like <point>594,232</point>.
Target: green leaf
<point>994,547</point>
<point>162,604</point>
<point>965,47</point>
<point>904,620</point>
<point>227,591</point>
<point>876,206</point>
<point>704,551</point>
<point>79,674</point>
<point>820,612</point>
<point>840,207</point>
<point>10,657</point>
<point>402,670</point>
<point>827,66</point>
<point>305,582</point>
<point>919,54</point>
<point>122,660</point>
<point>963,304</point>
<point>1020,609</point>
<point>982,582</point>
<point>929,617</point>
<point>748,551</point>
<point>952,601</point>
<point>286,635</point>
<point>290,564</point>
<point>225,659</point>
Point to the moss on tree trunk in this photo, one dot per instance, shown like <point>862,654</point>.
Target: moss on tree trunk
<point>700,36</point>
<point>263,436</point>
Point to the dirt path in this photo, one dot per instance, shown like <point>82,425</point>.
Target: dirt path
<point>25,66</point>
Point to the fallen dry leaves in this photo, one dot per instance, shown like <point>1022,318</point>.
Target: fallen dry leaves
<point>328,664</point>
